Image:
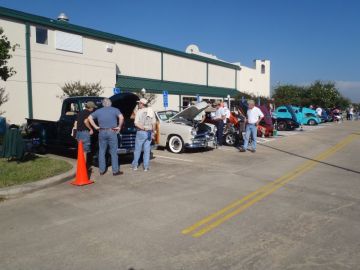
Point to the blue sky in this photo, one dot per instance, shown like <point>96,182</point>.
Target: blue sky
<point>305,40</point>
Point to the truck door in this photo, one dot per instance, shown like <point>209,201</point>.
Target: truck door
<point>70,110</point>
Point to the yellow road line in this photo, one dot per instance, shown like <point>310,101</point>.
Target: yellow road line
<point>262,192</point>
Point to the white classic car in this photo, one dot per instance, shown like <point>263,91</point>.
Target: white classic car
<point>179,130</point>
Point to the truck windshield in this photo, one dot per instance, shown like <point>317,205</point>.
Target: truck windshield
<point>166,115</point>
<point>96,101</point>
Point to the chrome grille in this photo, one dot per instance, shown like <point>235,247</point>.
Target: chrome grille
<point>127,141</point>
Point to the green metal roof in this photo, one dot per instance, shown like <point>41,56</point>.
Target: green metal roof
<point>126,83</point>
<point>53,23</point>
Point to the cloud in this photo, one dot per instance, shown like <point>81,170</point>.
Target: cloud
<point>350,89</point>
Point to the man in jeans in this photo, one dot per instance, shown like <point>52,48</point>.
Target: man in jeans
<point>110,121</point>
<point>220,118</point>
<point>254,116</point>
<point>84,129</point>
<point>145,123</point>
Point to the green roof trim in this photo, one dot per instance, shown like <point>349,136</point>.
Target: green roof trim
<point>126,83</point>
<point>65,26</point>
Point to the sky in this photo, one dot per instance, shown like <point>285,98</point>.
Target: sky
<point>305,40</point>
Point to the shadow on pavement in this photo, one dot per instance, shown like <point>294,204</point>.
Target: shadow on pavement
<point>315,160</point>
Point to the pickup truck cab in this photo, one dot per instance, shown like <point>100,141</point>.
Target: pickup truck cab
<point>58,133</point>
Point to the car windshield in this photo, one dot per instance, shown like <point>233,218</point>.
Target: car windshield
<point>166,115</point>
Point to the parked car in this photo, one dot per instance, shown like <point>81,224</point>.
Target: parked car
<point>325,116</point>
<point>285,124</point>
<point>307,116</point>
<point>266,126</point>
<point>302,115</point>
<point>178,130</point>
<point>58,133</point>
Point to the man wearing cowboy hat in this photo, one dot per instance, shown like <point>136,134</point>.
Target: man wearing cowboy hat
<point>145,123</point>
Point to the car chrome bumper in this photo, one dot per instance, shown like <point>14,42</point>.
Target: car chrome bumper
<point>201,143</point>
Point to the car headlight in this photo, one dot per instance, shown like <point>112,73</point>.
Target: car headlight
<point>193,131</point>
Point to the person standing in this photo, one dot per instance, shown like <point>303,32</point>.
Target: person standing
<point>351,113</point>
<point>319,111</point>
<point>110,121</point>
<point>220,118</point>
<point>84,129</point>
<point>254,116</point>
<point>145,122</point>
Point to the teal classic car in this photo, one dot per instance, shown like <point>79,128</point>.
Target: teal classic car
<point>302,115</point>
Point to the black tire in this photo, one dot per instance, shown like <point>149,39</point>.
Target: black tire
<point>282,126</point>
<point>175,144</point>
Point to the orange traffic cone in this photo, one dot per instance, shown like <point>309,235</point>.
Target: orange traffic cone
<point>82,177</point>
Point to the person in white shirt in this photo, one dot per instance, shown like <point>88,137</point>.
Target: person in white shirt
<point>319,111</point>
<point>227,117</point>
<point>220,118</point>
<point>351,112</point>
<point>227,111</point>
<point>254,116</point>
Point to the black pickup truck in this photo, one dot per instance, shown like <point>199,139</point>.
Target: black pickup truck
<point>58,133</point>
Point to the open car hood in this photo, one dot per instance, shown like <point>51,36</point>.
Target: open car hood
<point>125,102</point>
<point>191,112</point>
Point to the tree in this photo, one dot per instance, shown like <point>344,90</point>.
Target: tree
<point>323,94</point>
<point>150,97</point>
<point>5,48</point>
<point>5,71</point>
<point>3,98</point>
<point>290,94</point>
<point>73,89</point>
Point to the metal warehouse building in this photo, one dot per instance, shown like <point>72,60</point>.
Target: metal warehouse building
<point>52,52</point>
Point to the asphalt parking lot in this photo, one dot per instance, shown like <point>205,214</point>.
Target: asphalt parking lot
<point>292,205</point>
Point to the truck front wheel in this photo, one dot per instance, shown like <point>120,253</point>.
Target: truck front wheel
<point>175,144</point>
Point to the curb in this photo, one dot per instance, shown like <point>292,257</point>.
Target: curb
<point>18,190</point>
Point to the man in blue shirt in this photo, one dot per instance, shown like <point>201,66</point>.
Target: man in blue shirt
<point>110,121</point>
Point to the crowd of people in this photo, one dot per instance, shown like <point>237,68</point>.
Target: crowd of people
<point>109,121</point>
<point>252,118</point>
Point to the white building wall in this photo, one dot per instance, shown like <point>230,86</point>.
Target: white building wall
<point>173,102</point>
<point>179,69</point>
<point>16,109</point>
<point>221,76</point>
<point>263,79</point>
<point>52,68</point>
<point>137,62</point>
<point>253,81</point>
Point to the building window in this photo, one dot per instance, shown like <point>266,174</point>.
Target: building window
<point>68,42</point>
<point>41,35</point>
<point>186,102</point>
<point>262,69</point>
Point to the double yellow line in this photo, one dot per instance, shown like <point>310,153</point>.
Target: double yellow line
<point>211,222</point>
